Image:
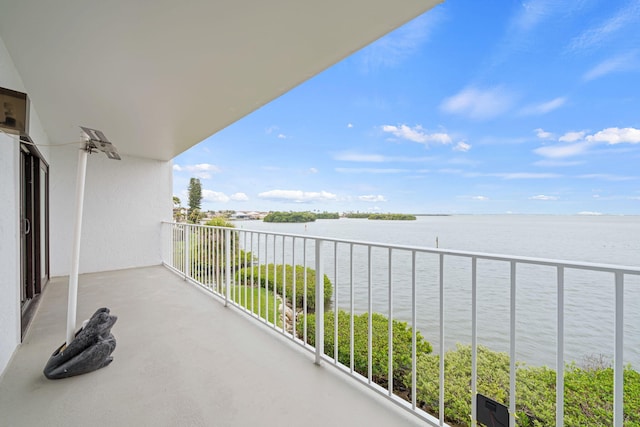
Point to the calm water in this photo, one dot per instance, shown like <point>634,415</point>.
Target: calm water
<point>589,318</point>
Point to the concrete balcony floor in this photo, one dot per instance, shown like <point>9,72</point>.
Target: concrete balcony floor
<point>182,359</point>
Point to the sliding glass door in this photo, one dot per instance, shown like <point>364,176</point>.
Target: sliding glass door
<point>34,229</point>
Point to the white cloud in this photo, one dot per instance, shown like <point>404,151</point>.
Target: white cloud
<point>297,196</point>
<point>542,134</point>
<point>521,175</point>
<point>624,62</point>
<point>594,36</point>
<point>557,163</point>
<point>371,170</point>
<point>271,129</point>
<point>580,142</point>
<point>417,134</point>
<point>201,170</point>
<point>479,104</point>
<point>616,136</point>
<point>282,136</point>
<point>462,146</point>
<point>372,198</point>
<point>531,14</point>
<point>543,108</point>
<point>572,136</point>
<point>313,170</point>
<point>607,177</point>
<point>359,157</point>
<point>481,198</point>
<point>399,44</point>
<point>214,196</point>
<point>350,125</point>
<point>589,213</point>
<point>543,197</point>
<point>559,151</point>
<point>239,197</point>
<point>352,156</point>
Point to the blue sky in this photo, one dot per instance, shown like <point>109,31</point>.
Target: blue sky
<point>476,107</point>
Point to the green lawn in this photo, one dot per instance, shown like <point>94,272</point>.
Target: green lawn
<point>259,297</point>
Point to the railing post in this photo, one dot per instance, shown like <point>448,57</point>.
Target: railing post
<point>512,348</point>
<point>618,367</point>
<point>319,303</point>
<point>227,265</point>
<point>560,349</point>
<point>187,232</point>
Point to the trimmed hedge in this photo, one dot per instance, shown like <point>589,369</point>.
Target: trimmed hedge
<point>402,339</point>
<point>275,273</point>
<point>588,391</point>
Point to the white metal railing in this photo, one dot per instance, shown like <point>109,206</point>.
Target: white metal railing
<point>234,264</point>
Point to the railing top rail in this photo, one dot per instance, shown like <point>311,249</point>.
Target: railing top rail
<point>610,268</point>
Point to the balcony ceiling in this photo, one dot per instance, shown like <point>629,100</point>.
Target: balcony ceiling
<point>159,77</point>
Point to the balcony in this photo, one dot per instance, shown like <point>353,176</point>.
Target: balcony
<point>196,347</point>
<point>182,358</point>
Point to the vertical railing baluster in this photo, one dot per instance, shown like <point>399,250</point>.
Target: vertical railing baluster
<point>227,264</point>
<point>618,369</point>
<point>441,367</point>
<point>370,319</point>
<point>512,347</point>
<point>207,258</point>
<point>414,333</point>
<point>474,340</point>
<point>319,302</point>
<point>259,276</point>
<point>266,278</point>
<point>252,277</point>
<point>284,289</point>
<point>351,308</point>
<point>304,294</point>
<point>390,327</point>
<point>187,243</point>
<point>246,271</point>
<point>275,284</point>
<point>560,349</point>
<point>335,302</point>
<point>294,295</point>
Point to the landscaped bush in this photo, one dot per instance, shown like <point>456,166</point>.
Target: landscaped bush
<point>393,217</point>
<point>208,250</point>
<point>290,217</point>
<point>588,391</point>
<point>357,215</point>
<point>402,338</point>
<point>328,215</point>
<point>274,274</point>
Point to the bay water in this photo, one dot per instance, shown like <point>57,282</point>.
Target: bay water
<point>589,296</point>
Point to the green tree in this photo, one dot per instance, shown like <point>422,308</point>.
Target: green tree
<point>195,196</point>
<point>178,213</point>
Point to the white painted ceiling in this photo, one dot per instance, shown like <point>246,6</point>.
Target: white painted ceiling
<point>159,76</point>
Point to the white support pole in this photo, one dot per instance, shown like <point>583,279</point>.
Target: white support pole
<point>75,253</point>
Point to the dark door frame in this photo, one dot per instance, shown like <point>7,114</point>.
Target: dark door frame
<point>34,229</point>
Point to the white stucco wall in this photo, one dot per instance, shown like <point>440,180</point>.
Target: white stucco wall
<point>125,201</point>
<point>10,215</point>
<point>9,250</point>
